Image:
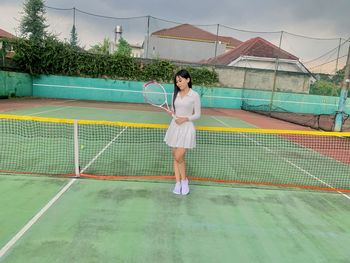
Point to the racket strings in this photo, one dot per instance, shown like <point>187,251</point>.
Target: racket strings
<point>155,95</point>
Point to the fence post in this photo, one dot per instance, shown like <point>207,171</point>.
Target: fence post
<point>343,95</point>
<point>275,75</point>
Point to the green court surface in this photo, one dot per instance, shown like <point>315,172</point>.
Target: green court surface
<point>119,221</point>
<point>22,197</point>
<point>142,221</point>
<point>88,113</point>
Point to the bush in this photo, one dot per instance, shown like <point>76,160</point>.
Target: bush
<point>203,76</point>
<point>326,88</point>
<point>50,56</point>
<point>159,70</point>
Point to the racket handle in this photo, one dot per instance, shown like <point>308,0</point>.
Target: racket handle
<point>172,113</point>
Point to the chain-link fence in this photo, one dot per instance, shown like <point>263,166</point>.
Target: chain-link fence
<point>318,55</point>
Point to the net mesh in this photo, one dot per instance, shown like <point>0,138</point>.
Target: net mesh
<point>322,121</point>
<point>36,147</point>
<point>92,28</point>
<point>281,158</point>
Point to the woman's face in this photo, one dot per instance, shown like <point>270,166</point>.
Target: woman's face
<point>182,83</point>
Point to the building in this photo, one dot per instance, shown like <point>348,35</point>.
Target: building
<point>5,34</point>
<point>186,43</point>
<point>257,58</point>
<point>260,54</point>
<point>136,50</point>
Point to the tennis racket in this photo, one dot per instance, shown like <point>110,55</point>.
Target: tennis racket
<point>155,94</point>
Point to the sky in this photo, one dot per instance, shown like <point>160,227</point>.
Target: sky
<point>298,19</point>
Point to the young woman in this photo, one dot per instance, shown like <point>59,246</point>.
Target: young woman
<point>181,134</point>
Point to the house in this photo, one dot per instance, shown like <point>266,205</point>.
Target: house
<point>258,57</point>
<point>187,43</point>
<point>136,50</point>
<point>6,35</point>
<point>259,53</point>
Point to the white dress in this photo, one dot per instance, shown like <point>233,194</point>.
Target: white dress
<point>184,135</point>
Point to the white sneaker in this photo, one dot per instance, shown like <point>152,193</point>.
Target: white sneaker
<point>177,188</point>
<point>184,187</point>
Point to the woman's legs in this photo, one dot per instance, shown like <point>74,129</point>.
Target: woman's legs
<point>176,167</point>
<point>179,163</point>
<point>180,170</point>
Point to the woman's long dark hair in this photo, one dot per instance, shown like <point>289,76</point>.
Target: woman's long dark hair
<point>184,74</point>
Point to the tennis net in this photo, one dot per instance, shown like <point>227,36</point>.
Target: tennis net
<point>114,150</point>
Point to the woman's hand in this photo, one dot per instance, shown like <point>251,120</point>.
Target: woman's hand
<point>170,112</point>
<point>181,120</point>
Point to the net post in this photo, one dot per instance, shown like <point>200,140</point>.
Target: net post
<point>76,149</point>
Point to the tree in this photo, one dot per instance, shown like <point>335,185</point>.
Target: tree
<point>323,87</point>
<point>339,76</point>
<point>328,85</point>
<point>101,48</point>
<point>73,37</point>
<point>124,48</point>
<point>32,24</point>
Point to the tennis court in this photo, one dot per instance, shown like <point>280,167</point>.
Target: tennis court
<point>248,202</point>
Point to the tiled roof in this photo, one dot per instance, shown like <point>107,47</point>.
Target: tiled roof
<point>189,32</point>
<point>5,34</point>
<point>257,47</point>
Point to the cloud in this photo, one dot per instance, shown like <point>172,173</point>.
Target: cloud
<point>314,18</point>
<point>10,16</point>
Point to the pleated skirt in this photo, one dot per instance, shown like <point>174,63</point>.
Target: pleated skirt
<point>181,136</point>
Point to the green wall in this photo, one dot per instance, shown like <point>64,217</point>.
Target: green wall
<point>14,84</point>
<point>122,91</point>
<point>22,84</point>
<point>130,91</point>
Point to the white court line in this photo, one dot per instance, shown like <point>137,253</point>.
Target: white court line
<point>31,222</point>
<point>205,96</point>
<point>40,112</point>
<point>5,248</point>
<point>88,88</point>
<point>105,148</point>
<point>288,161</point>
<point>121,90</point>
<point>18,236</point>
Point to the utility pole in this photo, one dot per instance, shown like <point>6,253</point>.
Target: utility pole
<point>216,42</point>
<point>343,95</point>
<point>148,36</point>
<point>275,74</point>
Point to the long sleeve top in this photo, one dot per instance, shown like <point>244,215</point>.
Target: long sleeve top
<point>189,106</point>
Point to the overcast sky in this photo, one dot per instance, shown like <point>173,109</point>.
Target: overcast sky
<point>313,18</point>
